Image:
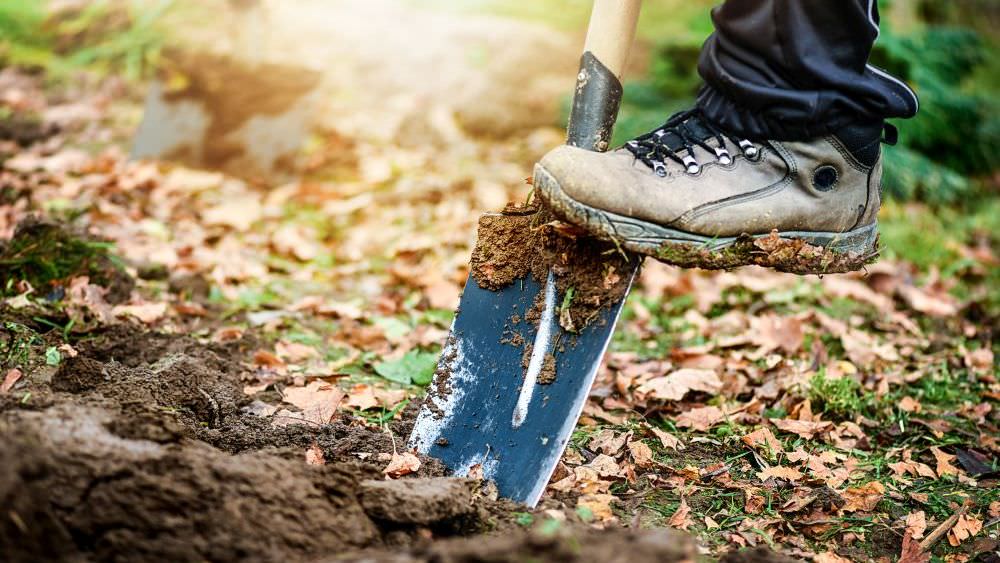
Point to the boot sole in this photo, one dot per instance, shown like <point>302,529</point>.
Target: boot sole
<point>800,252</point>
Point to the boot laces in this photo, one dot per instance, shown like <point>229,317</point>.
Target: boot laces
<point>677,138</point>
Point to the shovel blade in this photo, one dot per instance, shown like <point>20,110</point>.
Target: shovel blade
<point>491,411</point>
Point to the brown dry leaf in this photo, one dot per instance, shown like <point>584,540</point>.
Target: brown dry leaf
<point>911,552</point>
<point>608,441</point>
<point>401,464</point>
<point>779,472</point>
<point>318,400</point>
<point>966,527</point>
<point>802,428</point>
<point>9,380</point>
<point>599,505</point>
<point>296,241</point>
<point>936,304</point>
<point>916,524</point>
<point>754,503</point>
<point>994,510</point>
<point>667,439</point>
<point>909,466</point>
<point>605,466</point>
<point>700,419</point>
<point>711,524</point>
<point>361,397</point>
<point>294,352</point>
<point>830,557</point>
<point>238,213</point>
<point>944,466</point>
<point>267,359</point>
<point>314,455</point>
<point>680,518</point>
<point>909,404</point>
<point>147,312</point>
<point>642,455</point>
<point>675,386</point>
<point>772,332</point>
<point>763,437</point>
<point>863,498</point>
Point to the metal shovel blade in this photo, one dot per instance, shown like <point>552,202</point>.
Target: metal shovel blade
<point>488,413</point>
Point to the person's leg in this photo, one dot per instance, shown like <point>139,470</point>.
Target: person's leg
<point>796,69</point>
<point>785,140</point>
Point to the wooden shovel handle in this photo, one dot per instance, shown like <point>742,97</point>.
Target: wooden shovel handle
<point>612,32</point>
<point>598,85</point>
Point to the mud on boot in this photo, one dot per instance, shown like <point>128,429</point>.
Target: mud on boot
<point>692,195</point>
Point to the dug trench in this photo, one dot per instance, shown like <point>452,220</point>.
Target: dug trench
<point>144,447</point>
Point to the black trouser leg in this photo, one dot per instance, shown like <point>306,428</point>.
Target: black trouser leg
<point>796,69</point>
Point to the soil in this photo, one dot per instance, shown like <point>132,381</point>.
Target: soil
<point>143,447</point>
<point>590,274</point>
<point>783,255</point>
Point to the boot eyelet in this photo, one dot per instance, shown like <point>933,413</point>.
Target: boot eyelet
<point>825,178</point>
<point>660,169</point>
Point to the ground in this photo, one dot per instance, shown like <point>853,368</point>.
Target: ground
<point>200,367</point>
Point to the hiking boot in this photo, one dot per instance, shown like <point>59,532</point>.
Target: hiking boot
<point>692,195</point>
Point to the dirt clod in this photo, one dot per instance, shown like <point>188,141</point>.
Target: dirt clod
<point>417,501</point>
<point>590,274</point>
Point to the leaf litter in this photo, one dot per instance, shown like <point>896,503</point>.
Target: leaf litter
<point>818,417</point>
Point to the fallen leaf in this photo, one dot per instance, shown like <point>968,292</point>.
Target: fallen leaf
<point>700,419</point>
<point>147,313</point>
<point>680,518</point>
<point>267,359</point>
<point>676,385</point>
<point>667,439</point>
<point>754,502</point>
<point>401,464</point>
<point>916,524</point>
<point>936,304</point>
<point>911,552</point>
<point>642,455</point>
<point>318,400</point>
<point>237,213</point>
<point>763,437</point>
<point>605,466</point>
<point>294,352</point>
<point>314,455</point>
<point>909,404</point>
<point>802,428</point>
<point>863,498</point>
<point>966,527</point>
<point>9,380</point>
<point>608,441</point>
<point>780,472</point>
<point>944,466</point>
<point>599,505</point>
<point>830,557</point>
<point>297,241</point>
<point>361,397</point>
<point>711,524</point>
<point>772,332</point>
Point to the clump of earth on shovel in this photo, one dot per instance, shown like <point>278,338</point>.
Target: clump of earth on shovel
<point>522,240</point>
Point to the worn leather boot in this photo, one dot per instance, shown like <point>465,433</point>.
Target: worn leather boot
<point>692,195</point>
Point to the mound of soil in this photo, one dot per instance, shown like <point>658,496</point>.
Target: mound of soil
<point>143,447</point>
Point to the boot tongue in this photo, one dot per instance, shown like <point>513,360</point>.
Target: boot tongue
<point>693,127</point>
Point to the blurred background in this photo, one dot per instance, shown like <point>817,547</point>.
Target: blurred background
<point>366,97</point>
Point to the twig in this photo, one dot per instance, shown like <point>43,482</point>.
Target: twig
<point>943,528</point>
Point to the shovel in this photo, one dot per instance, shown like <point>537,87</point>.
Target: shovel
<point>514,376</point>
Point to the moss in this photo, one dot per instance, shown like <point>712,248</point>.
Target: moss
<point>48,256</point>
